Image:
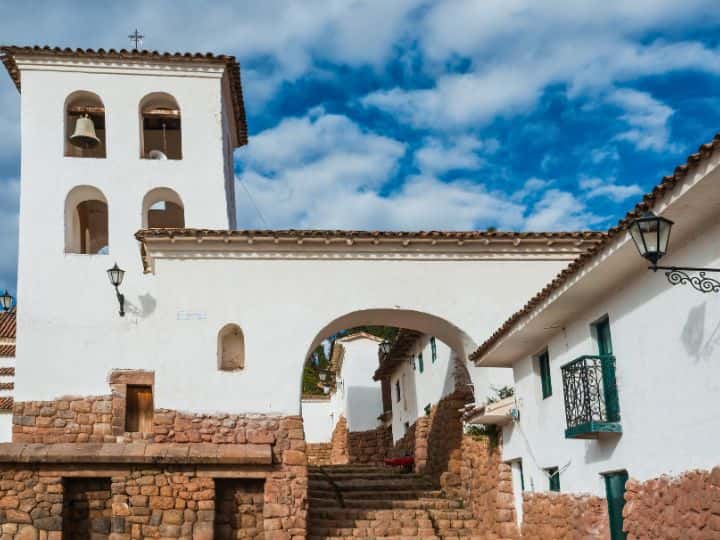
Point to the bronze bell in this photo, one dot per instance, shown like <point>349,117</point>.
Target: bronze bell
<point>84,135</point>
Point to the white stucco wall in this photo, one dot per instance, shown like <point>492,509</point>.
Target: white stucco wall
<point>666,344</point>
<point>69,333</point>
<point>421,389</point>
<point>319,420</point>
<point>362,397</point>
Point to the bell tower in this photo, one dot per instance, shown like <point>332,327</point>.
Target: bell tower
<point>113,142</point>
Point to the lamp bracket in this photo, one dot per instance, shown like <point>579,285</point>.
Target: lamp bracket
<point>121,301</point>
<point>679,275</point>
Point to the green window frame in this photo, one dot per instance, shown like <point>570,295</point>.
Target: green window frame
<point>543,360</point>
<point>554,478</point>
<point>602,334</point>
<point>615,495</point>
<point>433,349</point>
<point>421,364</point>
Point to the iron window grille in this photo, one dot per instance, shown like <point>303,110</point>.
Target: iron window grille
<point>591,397</point>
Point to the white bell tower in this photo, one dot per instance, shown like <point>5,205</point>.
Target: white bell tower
<point>112,142</point>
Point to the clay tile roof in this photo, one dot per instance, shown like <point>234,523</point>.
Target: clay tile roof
<point>7,371</point>
<point>232,68</point>
<point>7,324</point>
<point>666,186</point>
<point>401,350</point>
<point>7,351</point>
<point>6,403</point>
<point>592,236</point>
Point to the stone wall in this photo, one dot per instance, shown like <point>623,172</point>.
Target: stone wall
<point>477,476</point>
<point>339,443</point>
<point>239,509</point>
<point>369,447</point>
<point>444,433</point>
<point>561,515</point>
<point>87,508</point>
<point>65,420</point>
<point>319,453</point>
<point>687,506</point>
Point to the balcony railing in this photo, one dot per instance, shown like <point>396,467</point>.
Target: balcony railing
<point>591,397</point>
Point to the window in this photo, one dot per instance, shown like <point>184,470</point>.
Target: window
<point>421,364</point>
<point>84,125</point>
<point>543,360</point>
<point>397,391</point>
<point>602,335</point>
<point>161,129</point>
<point>86,221</point>
<point>231,348</point>
<point>139,409</point>
<point>554,478</point>
<point>433,349</point>
<point>163,209</point>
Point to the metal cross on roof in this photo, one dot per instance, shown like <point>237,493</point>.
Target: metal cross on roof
<point>137,37</point>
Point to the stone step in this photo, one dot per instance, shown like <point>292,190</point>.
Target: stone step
<point>363,484</point>
<point>380,504</point>
<point>349,475</point>
<point>405,494</point>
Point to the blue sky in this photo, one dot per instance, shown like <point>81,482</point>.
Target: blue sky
<point>418,114</point>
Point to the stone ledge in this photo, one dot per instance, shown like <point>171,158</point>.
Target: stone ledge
<point>137,453</point>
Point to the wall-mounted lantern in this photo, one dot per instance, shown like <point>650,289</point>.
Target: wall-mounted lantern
<point>651,235</point>
<point>116,275</point>
<point>6,301</point>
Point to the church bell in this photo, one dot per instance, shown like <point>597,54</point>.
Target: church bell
<point>84,135</point>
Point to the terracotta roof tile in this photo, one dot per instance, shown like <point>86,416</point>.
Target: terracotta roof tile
<point>7,371</point>
<point>9,52</point>
<point>7,324</point>
<point>7,386</point>
<point>666,185</point>
<point>592,236</point>
<point>6,404</point>
<point>7,351</point>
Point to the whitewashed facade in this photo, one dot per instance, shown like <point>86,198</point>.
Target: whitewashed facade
<point>665,342</point>
<point>355,395</point>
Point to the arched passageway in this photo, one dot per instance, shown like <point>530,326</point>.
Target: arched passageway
<point>421,383</point>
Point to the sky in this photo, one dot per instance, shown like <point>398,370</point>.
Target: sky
<point>418,114</point>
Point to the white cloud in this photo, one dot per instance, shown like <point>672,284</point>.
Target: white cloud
<point>597,187</point>
<point>647,120</point>
<point>324,171</point>
<point>560,210</point>
<point>437,156</point>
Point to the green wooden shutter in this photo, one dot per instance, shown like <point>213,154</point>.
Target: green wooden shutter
<point>605,348</point>
<point>433,348</point>
<point>554,478</point>
<point>602,330</point>
<point>421,364</point>
<point>545,381</point>
<point>615,490</point>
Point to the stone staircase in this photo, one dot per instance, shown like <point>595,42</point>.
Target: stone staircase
<point>362,502</point>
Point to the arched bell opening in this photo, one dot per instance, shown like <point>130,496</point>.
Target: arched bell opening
<point>84,125</point>
<point>161,129</point>
<point>163,209</point>
<point>86,221</point>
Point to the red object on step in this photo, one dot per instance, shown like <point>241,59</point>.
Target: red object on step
<point>400,461</point>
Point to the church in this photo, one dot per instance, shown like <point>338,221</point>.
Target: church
<point>159,350</point>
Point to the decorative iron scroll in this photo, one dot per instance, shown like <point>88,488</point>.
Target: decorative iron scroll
<point>587,389</point>
<point>700,282</point>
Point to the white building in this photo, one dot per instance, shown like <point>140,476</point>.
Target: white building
<point>353,394</point>
<point>419,371</point>
<point>655,412</point>
<point>7,373</point>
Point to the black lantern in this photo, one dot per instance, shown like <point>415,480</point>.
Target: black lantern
<point>116,275</point>
<point>6,300</point>
<point>385,347</point>
<point>651,235</point>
